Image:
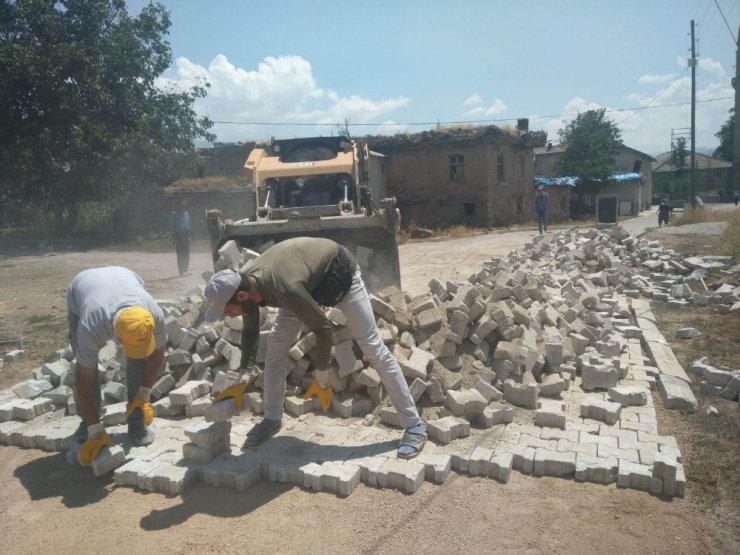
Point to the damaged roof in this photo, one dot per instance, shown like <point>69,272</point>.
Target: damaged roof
<point>457,135</point>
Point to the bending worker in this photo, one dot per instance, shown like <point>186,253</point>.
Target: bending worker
<point>299,276</point>
<point>111,303</point>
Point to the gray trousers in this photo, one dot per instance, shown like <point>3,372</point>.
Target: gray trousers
<point>356,307</point>
<point>542,220</point>
<point>134,377</point>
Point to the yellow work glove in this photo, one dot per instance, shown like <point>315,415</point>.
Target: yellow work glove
<point>141,401</point>
<point>235,392</point>
<point>320,388</point>
<point>96,440</point>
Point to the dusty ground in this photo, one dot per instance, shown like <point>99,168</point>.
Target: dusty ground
<point>45,503</point>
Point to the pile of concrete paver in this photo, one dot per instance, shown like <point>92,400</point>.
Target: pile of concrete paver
<point>542,362</point>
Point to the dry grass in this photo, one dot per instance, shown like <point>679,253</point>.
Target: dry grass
<point>729,241</point>
<point>711,445</point>
<point>701,214</point>
<point>208,183</point>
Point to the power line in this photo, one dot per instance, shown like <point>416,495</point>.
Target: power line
<point>661,93</point>
<point>457,122</point>
<point>725,20</point>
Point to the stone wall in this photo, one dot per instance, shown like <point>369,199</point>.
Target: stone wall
<point>428,196</point>
<point>148,213</point>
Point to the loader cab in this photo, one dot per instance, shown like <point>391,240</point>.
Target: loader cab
<point>308,173</point>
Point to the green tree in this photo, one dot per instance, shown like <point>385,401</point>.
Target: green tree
<point>591,144</point>
<point>82,116</point>
<point>678,154</point>
<point>726,136</point>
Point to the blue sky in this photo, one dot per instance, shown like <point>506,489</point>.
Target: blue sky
<point>397,63</point>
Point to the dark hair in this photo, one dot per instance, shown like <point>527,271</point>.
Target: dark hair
<point>247,284</point>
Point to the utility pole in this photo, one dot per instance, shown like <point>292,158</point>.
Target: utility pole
<point>692,63</point>
<point>736,136</point>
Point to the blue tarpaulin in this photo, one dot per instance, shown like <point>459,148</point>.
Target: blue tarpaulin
<point>573,181</point>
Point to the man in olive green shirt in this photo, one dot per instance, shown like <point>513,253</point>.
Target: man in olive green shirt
<point>299,276</point>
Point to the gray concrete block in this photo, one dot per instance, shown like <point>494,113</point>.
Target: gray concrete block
<point>437,466</point>
<point>521,395</point>
<point>628,396</point>
<point>494,414</point>
<point>30,389</point>
<point>355,405</point>
<point>604,411</point>
<point>447,429</point>
<point>676,393</point>
<point>208,434</point>
<point>599,376</point>
<point>634,476</point>
<point>234,474</point>
<point>479,461</point>
<point>550,413</point>
<point>108,460</point>
<point>597,470</point>
<point>466,402</point>
<point>554,463</point>
<point>403,475</point>
<point>187,393</point>
<point>131,473</point>
<point>500,466</point>
<point>221,411</point>
<point>340,478</point>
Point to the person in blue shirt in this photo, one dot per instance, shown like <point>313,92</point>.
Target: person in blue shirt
<point>540,207</point>
<point>180,226</point>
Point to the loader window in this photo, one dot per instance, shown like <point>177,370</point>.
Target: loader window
<point>457,167</point>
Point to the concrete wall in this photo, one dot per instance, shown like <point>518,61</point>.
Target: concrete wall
<point>625,162</point>
<point>146,214</point>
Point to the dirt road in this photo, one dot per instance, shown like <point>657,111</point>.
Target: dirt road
<point>44,504</point>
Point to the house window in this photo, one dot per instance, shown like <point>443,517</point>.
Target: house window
<point>519,203</point>
<point>637,166</point>
<point>521,166</point>
<point>468,208</point>
<point>457,167</point>
<point>499,169</point>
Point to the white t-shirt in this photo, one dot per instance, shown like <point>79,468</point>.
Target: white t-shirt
<point>95,297</point>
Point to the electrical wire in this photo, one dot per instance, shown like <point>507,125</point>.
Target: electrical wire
<point>725,20</point>
<point>454,122</point>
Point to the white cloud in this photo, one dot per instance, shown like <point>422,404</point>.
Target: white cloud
<point>486,112</point>
<point>281,90</point>
<point>650,78</point>
<point>666,109</point>
<point>473,100</point>
<point>712,66</point>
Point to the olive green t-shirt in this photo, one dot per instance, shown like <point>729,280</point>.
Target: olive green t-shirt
<point>285,275</point>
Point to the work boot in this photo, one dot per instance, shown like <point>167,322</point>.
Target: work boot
<point>140,434</point>
<point>80,435</point>
<point>262,432</point>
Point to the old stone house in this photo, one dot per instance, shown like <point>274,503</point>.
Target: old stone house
<point>632,169</point>
<point>479,176</point>
<point>713,176</point>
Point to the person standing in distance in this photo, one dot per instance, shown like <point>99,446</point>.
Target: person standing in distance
<point>299,276</point>
<point>664,212</point>
<point>111,303</point>
<point>541,201</point>
<point>180,225</point>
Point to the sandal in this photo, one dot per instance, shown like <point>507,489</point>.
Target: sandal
<point>412,442</point>
<point>262,432</point>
